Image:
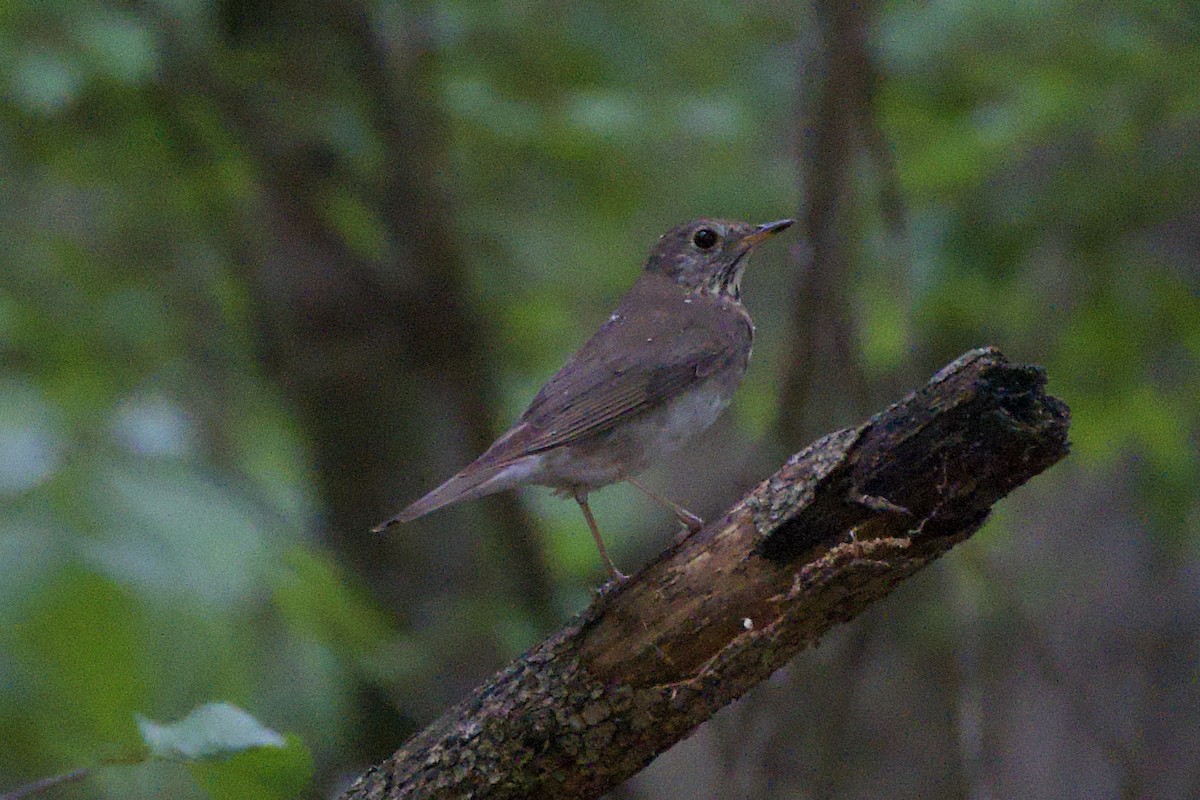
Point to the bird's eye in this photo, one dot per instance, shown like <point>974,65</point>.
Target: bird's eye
<point>704,238</point>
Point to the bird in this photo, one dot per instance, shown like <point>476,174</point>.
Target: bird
<point>660,370</point>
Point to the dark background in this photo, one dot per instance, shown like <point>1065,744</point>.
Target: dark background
<point>271,272</point>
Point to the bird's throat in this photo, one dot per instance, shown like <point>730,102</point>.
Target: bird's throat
<point>728,281</point>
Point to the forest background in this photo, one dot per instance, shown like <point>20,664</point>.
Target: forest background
<point>270,271</point>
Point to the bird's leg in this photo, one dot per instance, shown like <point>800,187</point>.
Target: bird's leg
<point>689,519</point>
<point>613,572</point>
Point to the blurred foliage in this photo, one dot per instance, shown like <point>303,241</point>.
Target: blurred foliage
<point>1051,179</point>
<point>156,503</point>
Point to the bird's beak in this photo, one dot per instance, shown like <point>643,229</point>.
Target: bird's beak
<point>765,231</point>
<point>730,276</point>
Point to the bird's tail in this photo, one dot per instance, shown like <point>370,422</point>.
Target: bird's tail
<point>474,481</point>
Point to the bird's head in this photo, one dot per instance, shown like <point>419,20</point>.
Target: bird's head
<point>709,255</point>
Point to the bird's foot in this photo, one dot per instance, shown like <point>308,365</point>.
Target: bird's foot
<point>615,579</point>
<point>689,520</point>
<point>690,524</point>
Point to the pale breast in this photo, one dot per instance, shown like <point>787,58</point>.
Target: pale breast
<point>634,445</point>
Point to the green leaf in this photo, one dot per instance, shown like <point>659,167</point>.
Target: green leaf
<point>358,224</point>
<point>79,643</point>
<point>264,773</point>
<point>44,80</point>
<point>230,754</point>
<point>214,730</point>
<point>31,439</point>
<point>320,600</point>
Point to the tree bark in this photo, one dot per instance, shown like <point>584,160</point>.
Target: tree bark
<point>834,530</point>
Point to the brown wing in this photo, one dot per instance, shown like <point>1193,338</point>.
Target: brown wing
<point>614,399</point>
<point>607,382</point>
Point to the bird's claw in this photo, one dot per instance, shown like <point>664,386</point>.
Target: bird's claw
<point>686,529</point>
<point>615,580</point>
